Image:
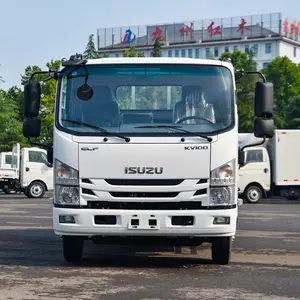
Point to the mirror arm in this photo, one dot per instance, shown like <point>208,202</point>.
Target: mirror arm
<point>39,144</point>
<point>253,145</point>
<point>243,73</point>
<point>55,76</point>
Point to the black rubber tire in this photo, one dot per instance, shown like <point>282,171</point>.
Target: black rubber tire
<point>38,186</point>
<point>72,248</point>
<point>253,194</point>
<point>221,250</point>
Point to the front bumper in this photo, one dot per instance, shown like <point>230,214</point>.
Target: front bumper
<point>202,226</point>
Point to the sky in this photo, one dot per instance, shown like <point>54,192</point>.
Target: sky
<point>34,32</point>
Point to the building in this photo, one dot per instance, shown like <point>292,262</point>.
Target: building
<point>268,35</point>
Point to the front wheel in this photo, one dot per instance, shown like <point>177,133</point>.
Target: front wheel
<point>72,248</point>
<point>35,190</point>
<point>221,250</point>
<point>253,194</point>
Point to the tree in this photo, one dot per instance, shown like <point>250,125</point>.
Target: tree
<point>10,126</point>
<point>157,47</point>
<point>15,94</point>
<point>90,50</point>
<point>292,113</point>
<point>245,87</point>
<point>285,75</point>
<point>131,52</point>
<point>1,78</point>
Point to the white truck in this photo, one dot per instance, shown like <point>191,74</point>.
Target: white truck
<point>271,168</point>
<point>131,165</point>
<point>29,172</point>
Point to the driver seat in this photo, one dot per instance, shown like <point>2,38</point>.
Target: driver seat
<point>102,109</point>
<point>179,110</point>
<point>182,110</point>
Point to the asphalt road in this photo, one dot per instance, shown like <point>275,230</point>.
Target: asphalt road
<point>265,261</point>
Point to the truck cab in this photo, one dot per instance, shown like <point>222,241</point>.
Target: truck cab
<point>29,171</point>
<point>145,150</point>
<point>254,180</point>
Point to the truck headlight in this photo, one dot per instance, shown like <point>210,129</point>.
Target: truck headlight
<point>222,180</point>
<point>66,184</point>
<point>223,175</point>
<point>220,196</point>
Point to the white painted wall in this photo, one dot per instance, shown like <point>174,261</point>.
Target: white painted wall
<point>288,50</point>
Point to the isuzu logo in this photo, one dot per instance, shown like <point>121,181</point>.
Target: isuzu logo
<point>144,170</point>
<point>196,148</point>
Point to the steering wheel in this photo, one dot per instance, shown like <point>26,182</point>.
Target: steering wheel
<point>193,118</point>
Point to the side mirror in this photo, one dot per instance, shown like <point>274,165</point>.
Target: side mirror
<point>50,155</point>
<point>241,158</point>
<point>264,99</point>
<point>32,99</point>
<point>32,127</point>
<point>264,128</point>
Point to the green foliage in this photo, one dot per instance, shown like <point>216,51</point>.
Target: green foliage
<point>1,78</point>
<point>292,113</point>
<point>90,50</point>
<point>285,76</point>
<point>157,47</point>
<point>245,87</point>
<point>131,52</point>
<point>10,126</point>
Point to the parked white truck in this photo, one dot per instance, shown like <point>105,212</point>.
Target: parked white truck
<point>29,172</point>
<point>131,165</point>
<point>272,168</point>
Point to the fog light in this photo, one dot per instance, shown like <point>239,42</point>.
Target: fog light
<point>67,219</point>
<point>221,220</point>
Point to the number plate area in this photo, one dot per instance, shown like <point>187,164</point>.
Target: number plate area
<point>143,222</point>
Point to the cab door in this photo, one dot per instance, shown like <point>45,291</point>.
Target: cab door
<point>256,169</point>
<point>36,167</point>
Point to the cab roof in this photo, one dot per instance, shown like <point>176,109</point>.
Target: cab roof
<point>159,60</point>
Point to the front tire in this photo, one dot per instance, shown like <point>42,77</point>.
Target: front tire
<point>253,194</point>
<point>221,250</point>
<point>35,190</point>
<point>72,248</point>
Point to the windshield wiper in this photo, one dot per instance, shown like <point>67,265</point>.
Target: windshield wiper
<point>178,128</point>
<point>127,139</point>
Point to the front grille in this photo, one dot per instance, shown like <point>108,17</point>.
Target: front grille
<point>144,194</point>
<point>88,192</point>
<point>85,180</point>
<point>184,205</point>
<point>144,182</point>
<point>200,192</point>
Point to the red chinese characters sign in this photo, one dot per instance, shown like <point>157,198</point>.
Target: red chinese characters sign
<point>291,28</point>
<point>243,27</point>
<point>185,30</point>
<point>295,29</point>
<point>213,30</point>
<point>157,34</point>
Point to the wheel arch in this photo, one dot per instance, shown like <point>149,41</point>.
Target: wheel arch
<point>257,184</point>
<point>40,181</point>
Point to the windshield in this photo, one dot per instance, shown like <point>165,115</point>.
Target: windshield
<point>134,99</point>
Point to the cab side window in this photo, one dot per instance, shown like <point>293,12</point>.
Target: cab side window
<point>37,157</point>
<point>254,156</point>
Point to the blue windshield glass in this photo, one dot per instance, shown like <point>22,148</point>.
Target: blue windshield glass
<point>198,98</point>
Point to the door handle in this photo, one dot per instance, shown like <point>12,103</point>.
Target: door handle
<point>27,169</point>
<point>266,170</point>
